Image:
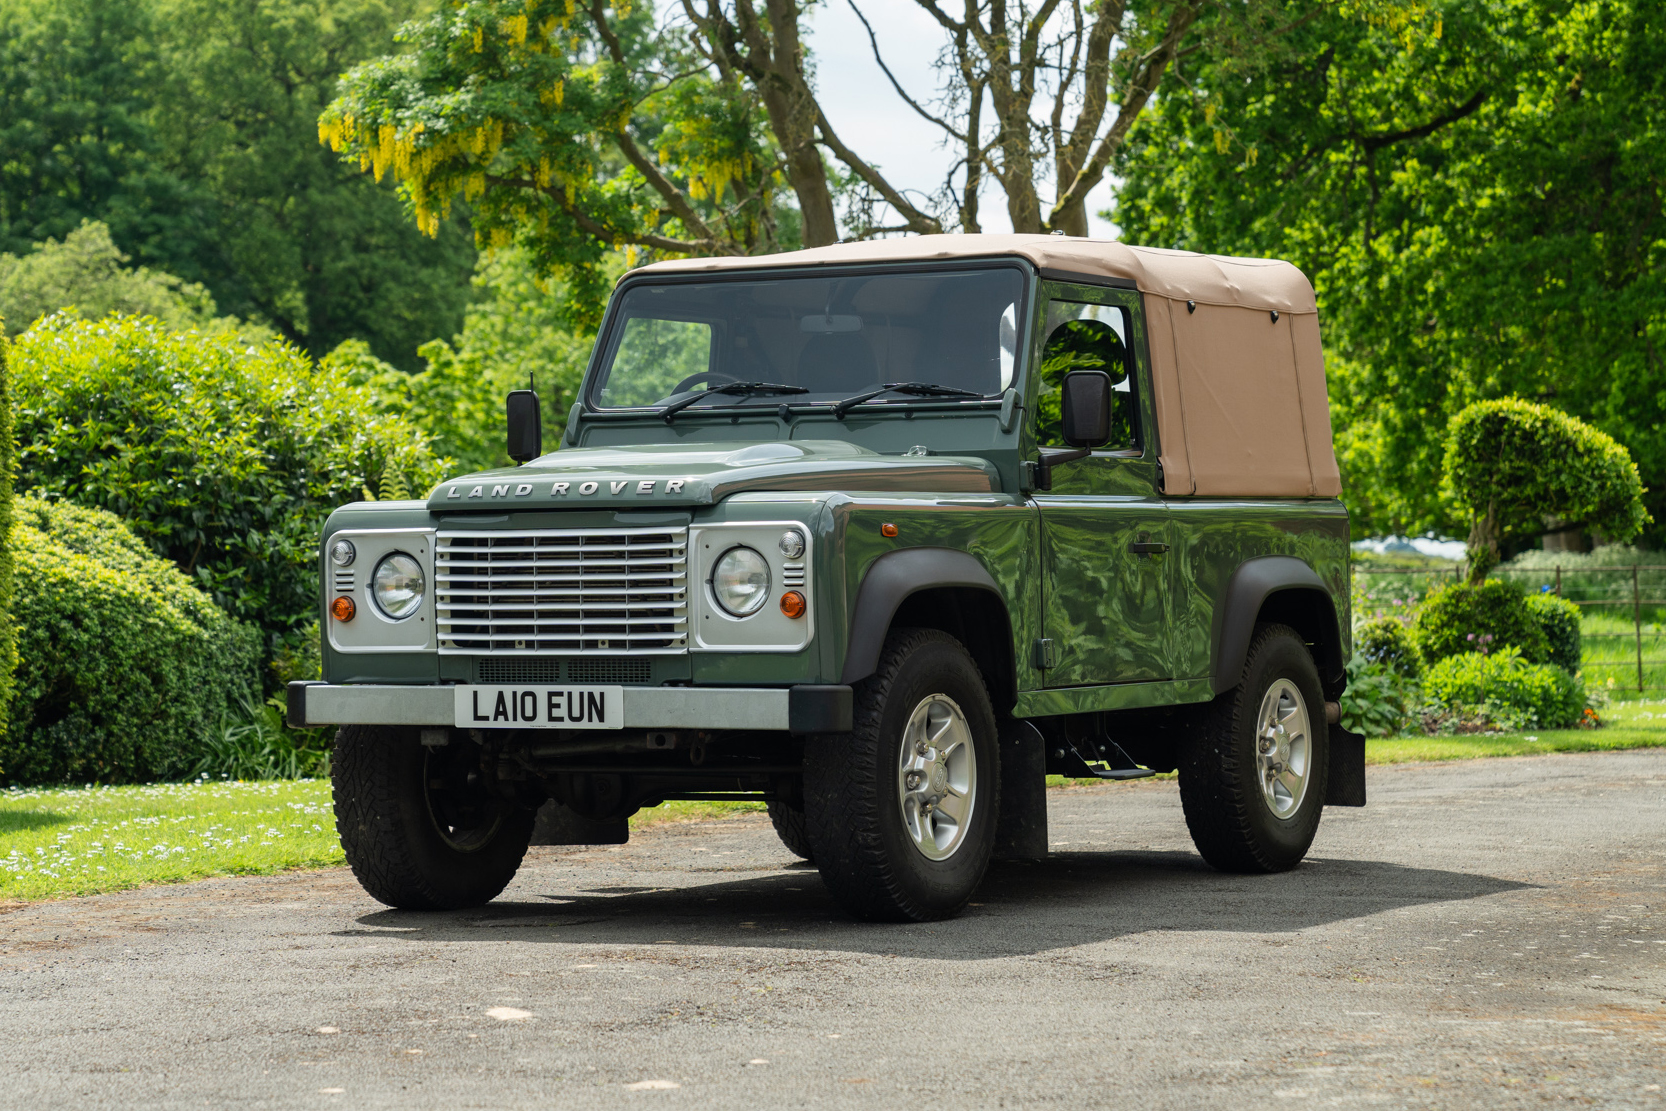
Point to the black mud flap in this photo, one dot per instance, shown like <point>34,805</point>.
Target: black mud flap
<point>559,824</point>
<point>1021,825</point>
<point>1347,768</point>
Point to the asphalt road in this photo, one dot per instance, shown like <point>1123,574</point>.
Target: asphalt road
<point>1483,934</point>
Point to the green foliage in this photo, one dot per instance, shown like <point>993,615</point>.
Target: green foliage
<point>224,458</point>
<point>87,274</point>
<point>1480,212</point>
<point>189,127</point>
<point>1506,690</point>
<point>8,470</point>
<point>514,332</point>
<point>1387,643</point>
<point>127,667</point>
<point>256,744</point>
<point>1514,464</point>
<point>1559,618</point>
<point>1484,619</point>
<point>1378,700</point>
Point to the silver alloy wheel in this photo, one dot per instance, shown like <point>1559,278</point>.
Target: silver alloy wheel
<point>937,777</point>
<point>1283,748</point>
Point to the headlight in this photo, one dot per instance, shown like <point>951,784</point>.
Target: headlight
<point>740,582</point>
<point>397,585</point>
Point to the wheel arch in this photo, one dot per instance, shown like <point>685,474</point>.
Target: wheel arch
<point>1280,589</point>
<point>933,588</point>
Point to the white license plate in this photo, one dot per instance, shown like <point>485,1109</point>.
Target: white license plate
<point>540,707</point>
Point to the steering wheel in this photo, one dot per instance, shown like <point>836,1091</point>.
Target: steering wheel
<point>710,377</point>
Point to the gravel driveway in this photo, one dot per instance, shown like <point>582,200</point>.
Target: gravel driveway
<point>1490,933</point>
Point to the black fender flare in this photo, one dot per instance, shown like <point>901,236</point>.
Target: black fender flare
<point>890,580</point>
<point>1251,585</point>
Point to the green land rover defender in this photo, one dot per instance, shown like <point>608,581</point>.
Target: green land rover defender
<point>881,534</point>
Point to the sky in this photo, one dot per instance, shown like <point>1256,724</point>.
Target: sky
<point>874,122</point>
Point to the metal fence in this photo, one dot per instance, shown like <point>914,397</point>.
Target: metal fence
<point>1608,597</point>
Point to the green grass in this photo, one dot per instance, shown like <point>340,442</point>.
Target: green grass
<point>56,842</point>
<point>1625,725</point>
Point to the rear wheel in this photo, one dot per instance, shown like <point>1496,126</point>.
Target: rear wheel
<point>422,827</point>
<point>1252,779</point>
<point>901,812</point>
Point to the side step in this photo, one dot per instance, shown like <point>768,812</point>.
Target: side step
<point>1095,758</point>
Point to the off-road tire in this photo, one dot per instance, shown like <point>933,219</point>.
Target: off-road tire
<point>788,821</point>
<point>857,835</point>
<point>392,842</point>
<point>1231,823</point>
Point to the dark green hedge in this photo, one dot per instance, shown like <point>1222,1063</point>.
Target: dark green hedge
<point>8,463</point>
<point>127,668</point>
<point>1559,618</point>
<point>1484,617</point>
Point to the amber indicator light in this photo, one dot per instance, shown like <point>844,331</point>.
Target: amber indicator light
<point>342,609</point>
<point>887,529</point>
<point>792,604</point>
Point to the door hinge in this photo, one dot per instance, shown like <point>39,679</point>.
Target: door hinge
<point>1045,654</point>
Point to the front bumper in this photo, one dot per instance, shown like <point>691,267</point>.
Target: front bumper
<point>801,709</point>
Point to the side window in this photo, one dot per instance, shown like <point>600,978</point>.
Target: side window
<point>657,356</point>
<point>1082,336</point>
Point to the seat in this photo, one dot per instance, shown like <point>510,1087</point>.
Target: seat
<point>837,362</point>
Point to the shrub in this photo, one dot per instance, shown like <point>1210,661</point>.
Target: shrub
<point>224,458</point>
<point>1559,618</point>
<point>1386,642</point>
<point>1484,618</point>
<point>128,667</point>
<point>1513,464</point>
<point>1507,689</point>
<point>255,744</point>
<point>8,460</point>
<point>1378,700</point>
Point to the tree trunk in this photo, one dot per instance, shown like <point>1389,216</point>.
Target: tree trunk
<point>1482,545</point>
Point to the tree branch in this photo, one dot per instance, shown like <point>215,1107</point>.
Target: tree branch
<point>895,84</point>
<point>1374,143</point>
<point>917,220</point>
<point>610,235</point>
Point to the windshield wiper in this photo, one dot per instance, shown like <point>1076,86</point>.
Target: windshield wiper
<point>919,389</point>
<point>670,412</point>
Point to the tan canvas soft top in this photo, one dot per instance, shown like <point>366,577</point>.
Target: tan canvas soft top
<point>1238,372</point>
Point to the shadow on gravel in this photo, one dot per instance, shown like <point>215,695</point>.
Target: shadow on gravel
<point>1023,907</point>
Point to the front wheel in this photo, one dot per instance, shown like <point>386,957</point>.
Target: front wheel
<point>900,813</point>
<point>1252,779</point>
<point>422,827</point>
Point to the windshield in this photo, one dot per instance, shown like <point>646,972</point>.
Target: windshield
<point>833,337</point>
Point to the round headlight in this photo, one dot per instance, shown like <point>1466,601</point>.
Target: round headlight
<point>342,553</point>
<point>397,586</point>
<point>740,581</point>
<point>791,543</point>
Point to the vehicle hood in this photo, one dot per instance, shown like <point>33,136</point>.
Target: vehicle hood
<point>701,474</point>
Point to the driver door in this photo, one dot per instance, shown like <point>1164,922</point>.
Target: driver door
<point>1108,575</point>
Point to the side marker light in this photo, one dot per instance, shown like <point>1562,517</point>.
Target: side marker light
<point>887,529</point>
<point>792,604</point>
<point>343,609</point>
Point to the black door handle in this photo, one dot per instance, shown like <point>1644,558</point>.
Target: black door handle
<point>1143,547</point>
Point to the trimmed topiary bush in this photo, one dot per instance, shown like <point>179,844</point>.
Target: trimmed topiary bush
<point>1514,464</point>
<point>223,457</point>
<point>1559,618</point>
<point>128,668</point>
<point>1387,643</point>
<point>1507,690</point>
<point>1483,618</point>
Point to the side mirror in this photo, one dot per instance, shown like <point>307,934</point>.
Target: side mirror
<point>1085,408</point>
<point>526,426</point>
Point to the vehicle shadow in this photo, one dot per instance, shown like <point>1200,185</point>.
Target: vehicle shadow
<point>1068,899</point>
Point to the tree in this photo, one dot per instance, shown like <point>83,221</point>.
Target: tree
<point>1481,212</point>
<point>1512,464</point>
<point>186,126</point>
<point>574,129</point>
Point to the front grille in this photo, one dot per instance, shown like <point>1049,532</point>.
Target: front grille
<point>568,591</point>
<point>590,669</point>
